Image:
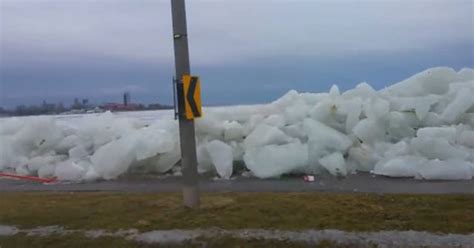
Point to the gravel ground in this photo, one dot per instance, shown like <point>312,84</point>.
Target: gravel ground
<point>362,182</point>
<point>358,239</point>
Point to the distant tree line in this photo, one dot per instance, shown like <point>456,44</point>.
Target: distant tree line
<point>77,107</point>
<point>43,109</point>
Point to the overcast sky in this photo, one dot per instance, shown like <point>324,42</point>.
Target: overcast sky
<point>244,51</point>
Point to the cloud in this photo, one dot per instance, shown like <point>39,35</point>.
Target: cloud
<point>231,31</point>
<point>59,49</point>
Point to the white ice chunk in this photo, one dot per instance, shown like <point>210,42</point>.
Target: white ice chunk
<point>399,149</point>
<point>375,108</point>
<point>402,125</point>
<point>252,123</point>
<point>114,158</point>
<point>237,151</point>
<point>70,142</point>
<point>446,170</point>
<point>432,81</point>
<point>91,174</point>
<point>362,90</point>
<point>275,160</point>
<point>265,134</point>
<point>233,131</point>
<point>466,74</point>
<point>296,112</point>
<point>105,128</point>
<point>203,158</point>
<point>275,120</point>
<point>69,171</point>
<point>209,126</point>
<point>334,164</point>
<point>323,141</point>
<point>46,170</point>
<point>334,91</point>
<point>421,105</point>
<point>437,148</point>
<point>326,136</point>
<point>446,133</point>
<point>38,135</point>
<point>221,156</point>
<point>151,141</point>
<point>295,131</point>
<point>78,152</point>
<point>370,131</point>
<point>404,166</point>
<point>35,163</point>
<point>22,169</point>
<point>431,120</point>
<point>466,138</point>
<point>167,160</point>
<point>353,109</point>
<point>461,103</point>
<point>363,157</point>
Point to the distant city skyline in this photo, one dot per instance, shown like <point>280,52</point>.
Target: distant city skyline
<point>245,51</point>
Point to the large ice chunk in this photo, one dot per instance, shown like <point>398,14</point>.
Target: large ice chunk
<point>445,133</point>
<point>275,160</point>
<point>275,120</point>
<point>466,138</point>
<point>326,136</point>
<point>421,105</point>
<point>265,134</point>
<point>221,156</point>
<point>233,131</point>
<point>78,152</point>
<point>437,148</point>
<point>334,163</point>
<point>203,158</point>
<point>323,141</point>
<point>375,108</point>
<point>362,157</point>
<point>370,130</point>
<point>432,81</point>
<point>36,163</point>
<point>70,170</point>
<point>114,158</point>
<point>446,170</point>
<point>151,141</point>
<point>296,112</point>
<point>461,103</point>
<point>404,166</point>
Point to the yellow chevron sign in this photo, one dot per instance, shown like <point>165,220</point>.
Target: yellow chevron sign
<point>192,97</point>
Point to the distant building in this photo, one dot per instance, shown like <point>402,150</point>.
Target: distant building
<point>120,107</point>
<point>77,104</point>
<point>126,98</point>
<point>127,105</point>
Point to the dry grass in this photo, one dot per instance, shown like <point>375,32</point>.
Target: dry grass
<point>284,211</point>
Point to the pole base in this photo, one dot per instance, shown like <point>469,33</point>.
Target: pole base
<point>191,196</point>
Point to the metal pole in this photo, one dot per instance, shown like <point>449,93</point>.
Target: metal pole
<point>186,127</point>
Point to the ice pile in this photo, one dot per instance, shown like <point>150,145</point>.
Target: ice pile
<point>422,127</point>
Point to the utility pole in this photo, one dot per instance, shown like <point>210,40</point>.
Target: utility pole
<point>186,126</point>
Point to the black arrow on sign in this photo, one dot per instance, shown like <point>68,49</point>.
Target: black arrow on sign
<point>190,97</point>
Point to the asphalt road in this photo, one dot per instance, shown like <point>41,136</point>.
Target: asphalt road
<point>361,182</point>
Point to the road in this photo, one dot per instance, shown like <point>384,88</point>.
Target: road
<point>361,182</point>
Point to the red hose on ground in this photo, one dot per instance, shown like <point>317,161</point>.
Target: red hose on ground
<point>30,178</point>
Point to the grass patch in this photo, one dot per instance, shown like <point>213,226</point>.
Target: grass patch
<point>284,211</point>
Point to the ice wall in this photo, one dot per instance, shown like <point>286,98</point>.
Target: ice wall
<point>422,127</point>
